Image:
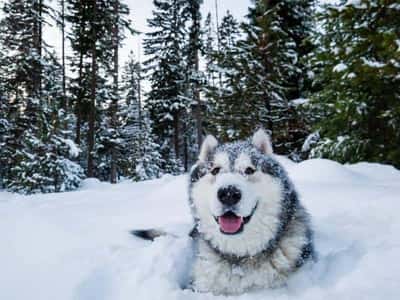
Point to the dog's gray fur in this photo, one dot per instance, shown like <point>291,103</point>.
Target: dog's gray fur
<point>277,239</point>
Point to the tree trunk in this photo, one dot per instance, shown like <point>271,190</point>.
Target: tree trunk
<point>219,51</point>
<point>78,110</point>
<point>37,38</point>
<point>92,113</point>
<point>186,152</point>
<point>35,90</point>
<point>79,103</point>
<point>114,104</point>
<point>196,92</point>
<point>176,134</point>
<point>65,103</point>
<point>139,93</point>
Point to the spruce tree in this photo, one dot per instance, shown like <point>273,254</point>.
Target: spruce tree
<point>195,77</point>
<point>97,31</point>
<point>119,12</point>
<point>358,63</point>
<point>225,90</point>
<point>141,154</point>
<point>131,114</point>
<point>146,162</point>
<point>61,151</point>
<point>38,157</point>
<point>208,50</point>
<point>276,39</point>
<point>167,102</point>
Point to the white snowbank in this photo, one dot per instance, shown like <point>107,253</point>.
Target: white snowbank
<point>326,171</point>
<point>76,245</point>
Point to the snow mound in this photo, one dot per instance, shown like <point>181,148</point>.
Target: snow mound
<point>93,183</point>
<point>324,170</point>
<point>376,171</point>
<point>77,246</point>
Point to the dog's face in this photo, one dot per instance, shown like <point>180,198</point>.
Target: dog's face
<point>237,195</point>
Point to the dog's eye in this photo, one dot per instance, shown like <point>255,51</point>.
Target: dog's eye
<point>249,171</point>
<point>215,170</point>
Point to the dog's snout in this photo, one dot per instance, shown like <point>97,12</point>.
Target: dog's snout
<point>229,195</point>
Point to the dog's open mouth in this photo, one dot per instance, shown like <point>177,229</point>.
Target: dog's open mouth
<point>230,223</point>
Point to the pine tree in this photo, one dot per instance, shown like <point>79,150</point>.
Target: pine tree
<point>131,110</point>
<point>276,37</point>
<point>141,155</point>
<point>254,80</point>
<point>225,89</point>
<point>195,77</point>
<point>131,113</point>
<point>208,51</point>
<point>132,77</point>
<point>61,23</point>
<point>90,38</point>
<point>97,32</point>
<point>147,162</point>
<point>64,173</point>
<point>4,129</point>
<point>358,63</point>
<point>166,101</point>
<point>38,156</point>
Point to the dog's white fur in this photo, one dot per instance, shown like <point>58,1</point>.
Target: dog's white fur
<point>211,271</point>
<point>262,189</point>
<point>213,274</point>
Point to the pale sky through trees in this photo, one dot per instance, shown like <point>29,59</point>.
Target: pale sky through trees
<point>141,11</point>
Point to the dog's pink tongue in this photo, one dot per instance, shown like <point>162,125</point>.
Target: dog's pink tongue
<point>230,224</point>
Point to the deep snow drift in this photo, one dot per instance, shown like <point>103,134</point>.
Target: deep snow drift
<point>77,245</point>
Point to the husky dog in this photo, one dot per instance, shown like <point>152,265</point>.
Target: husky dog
<point>251,232</point>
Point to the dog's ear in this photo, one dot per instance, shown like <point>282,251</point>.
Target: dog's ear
<point>208,145</point>
<point>262,141</point>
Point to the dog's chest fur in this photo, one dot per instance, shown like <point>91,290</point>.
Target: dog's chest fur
<point>212,272</point>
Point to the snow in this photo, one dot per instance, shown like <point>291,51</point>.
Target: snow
<point>76,245</point>
<point>299,101</point>
<point>311,140</point>
<point>351,75</point>
<point>73,148</point>
<point>372,64</point>
<point>398,41</point>
<point>340,67</point>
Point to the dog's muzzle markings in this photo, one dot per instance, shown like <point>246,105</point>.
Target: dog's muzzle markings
<point>250,229</point>
<point>230,222</point>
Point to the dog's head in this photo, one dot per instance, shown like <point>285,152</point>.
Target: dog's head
<point>239,195</point>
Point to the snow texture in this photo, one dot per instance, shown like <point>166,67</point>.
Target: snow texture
<point>73,148</point>
<point>340,68</point>
<point>77,245</point>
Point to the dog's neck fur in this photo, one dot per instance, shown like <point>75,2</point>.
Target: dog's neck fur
<point>266,269</point>
<point>237,259</point>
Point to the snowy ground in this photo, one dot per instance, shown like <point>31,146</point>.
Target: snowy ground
<point>76,245</point>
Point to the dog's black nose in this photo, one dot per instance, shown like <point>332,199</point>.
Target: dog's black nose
<point>229,195</point>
